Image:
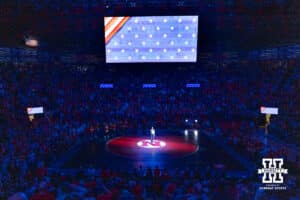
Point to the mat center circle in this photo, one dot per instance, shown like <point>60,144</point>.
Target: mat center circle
<point>148,144</point>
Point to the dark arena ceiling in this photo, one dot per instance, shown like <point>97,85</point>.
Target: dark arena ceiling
<point>77,25</point>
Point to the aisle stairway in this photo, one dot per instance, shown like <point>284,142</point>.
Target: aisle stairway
<point>246,163</point>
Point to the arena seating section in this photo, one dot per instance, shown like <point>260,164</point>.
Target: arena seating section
<point>226,104</point>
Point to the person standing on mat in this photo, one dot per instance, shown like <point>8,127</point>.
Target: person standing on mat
<point>152,134</point>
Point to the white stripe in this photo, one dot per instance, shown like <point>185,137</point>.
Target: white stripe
<point>107,20</point>
<point>116,23</point>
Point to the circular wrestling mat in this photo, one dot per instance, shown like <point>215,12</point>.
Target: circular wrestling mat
<point>143,148</point>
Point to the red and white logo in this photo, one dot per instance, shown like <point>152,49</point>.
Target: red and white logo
<point>155,144</point>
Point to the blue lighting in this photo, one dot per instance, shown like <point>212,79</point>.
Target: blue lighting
<point>106,85</point>
<point>193,85</point>
<point>149,85</point>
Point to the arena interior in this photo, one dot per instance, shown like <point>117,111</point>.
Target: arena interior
<point>149,99</point>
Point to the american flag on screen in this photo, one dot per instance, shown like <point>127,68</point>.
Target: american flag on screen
<point>151,39</point>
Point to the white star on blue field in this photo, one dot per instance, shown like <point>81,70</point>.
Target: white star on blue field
<point>155,39</point>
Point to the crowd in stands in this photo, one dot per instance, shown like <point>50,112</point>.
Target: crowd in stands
<point>75,106</point>
<point>143,183</point>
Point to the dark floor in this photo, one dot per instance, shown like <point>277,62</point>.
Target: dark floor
<point>94,154</point>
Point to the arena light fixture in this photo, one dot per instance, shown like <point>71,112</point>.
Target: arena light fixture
<point>186,132</point>
<point>149,85</point>
<point>31,42</point>
<point>193,85</point>
<point>195,132</point>
<point>106,85</point>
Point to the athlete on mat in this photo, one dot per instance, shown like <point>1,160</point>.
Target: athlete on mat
<point>152,133</point>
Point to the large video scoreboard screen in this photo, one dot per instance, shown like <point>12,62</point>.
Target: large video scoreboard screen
<point>151,39</point>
